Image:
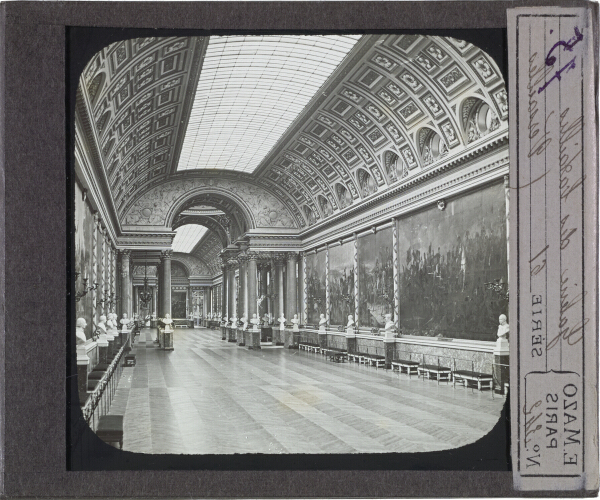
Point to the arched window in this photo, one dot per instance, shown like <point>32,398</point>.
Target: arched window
<point>478,118</point>
<point>432,146</point>
<point>344,196</point>
<point>366,183</point>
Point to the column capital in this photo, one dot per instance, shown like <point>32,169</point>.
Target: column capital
<point>243,257</point>
<point>166,254</point>
<point>251,255</point>
<point>124,253</point>
<point>506,180</point>
<point>278,258</point>
<point>291,256</point>
<point>232,262</point>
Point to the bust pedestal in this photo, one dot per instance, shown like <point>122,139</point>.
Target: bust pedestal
<point>501,362</point>
<point>168,339</point>
<point>82,373</point>
<point>350,340</point>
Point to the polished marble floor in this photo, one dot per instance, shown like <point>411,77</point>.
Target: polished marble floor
<point>211,396</point>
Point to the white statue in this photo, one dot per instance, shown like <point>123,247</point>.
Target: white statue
<point>80,331</point>
<point>102,325</point>
<point>390,327</point>
<point>255,321</point>
<point>281,323</point>
<point>295,322</point>
<point>233,320</point>
<point>244,321</point>
<point>350,325</point>
<point>323,324</point>
<point>502,328</point>
<point>168,322</point>
<point>266,319</point>
<point>124,322</point>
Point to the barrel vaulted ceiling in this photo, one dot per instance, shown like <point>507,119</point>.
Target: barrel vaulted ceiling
<point>396,106</point>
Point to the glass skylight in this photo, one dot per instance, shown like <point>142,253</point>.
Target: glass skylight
<point>187,237</point>
<point>251,89</point>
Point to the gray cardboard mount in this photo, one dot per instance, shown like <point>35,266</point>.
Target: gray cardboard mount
<point>33,185</point>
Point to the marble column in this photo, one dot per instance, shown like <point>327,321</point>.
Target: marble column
<point>263,269</point>
<point>125,291</point>
<point>223,311</point>
<point>327,287</point>
<point>507,200</point>
<point>94,277</point>
<point>396,274</point>
<point>165,257</point>
<point>231,312</point>
<point>356,298</point>
<point>252,285</point>
<point>292,286</point>
<point>304,283</point>
<point>301,291</point>
<point>279,286</point>
<point>243,298</point>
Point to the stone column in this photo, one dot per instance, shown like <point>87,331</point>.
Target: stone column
<point>279,286</point>
<point>292,286</point>
<point>154,308</point>
<point>252,285</point>
<point>125,292</point>
<point>262,290</point>
<point>507,199</point>
<point>159,292</point>
<point>327,287</point>
<point>396,315</point>
<point>304,289</point>
<point>356,301</point>
<point>165,257</point>
<point>224,292</point>
<point>243,298</point>
<point>301,291</point>
<point>231,312</point>
<point>94,277</point>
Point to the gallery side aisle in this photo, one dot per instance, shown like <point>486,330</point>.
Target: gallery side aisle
<point>209,396</point>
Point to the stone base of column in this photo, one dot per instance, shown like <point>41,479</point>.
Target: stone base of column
<point>223,333</point>
<point>169,340</point>
<point>351,344</point>
<point>103,354</point>
<point>254,338</point>
<point>111,353</point>
<point>501,362</point>
<point>231,334</point>
<point>241,341</point>
<point>83,362</point>
<point>161,338</point>
<point>389,347</point>
<point>288,339</point>
<point>323,340</point>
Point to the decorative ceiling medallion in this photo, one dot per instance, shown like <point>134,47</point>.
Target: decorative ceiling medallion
<point>383,62</point>
<point>484,70</point>
<point>350,94</point>
<point>436,53</point>
<point>453,79</point>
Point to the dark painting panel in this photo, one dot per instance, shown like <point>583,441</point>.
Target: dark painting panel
<point>375,278</point>
<point>445,258</point>
<point>84,226</point>
<point>341,283</point>
<point>315,276</point>
<point>178,309</point>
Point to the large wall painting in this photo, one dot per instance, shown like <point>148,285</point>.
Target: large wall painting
<point>445,258</point>
<point>315,275</point>
<point>375,278</point>
<point>84,227</point>
<point>178,306</point>
<point>341,283</point>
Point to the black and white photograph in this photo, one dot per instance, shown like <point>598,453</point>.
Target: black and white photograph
<point>290,244</point>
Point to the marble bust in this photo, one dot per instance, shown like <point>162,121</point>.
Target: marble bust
<point>350,325</point>
<point>502,328</point>
<point>281,323</point>
<point>80,331</point>
<point>124,321</point>
<point>233,320</point>
<point>102,324</point>
<point>244,321</point>
<point>254,322</point>
<point>322,323</point>
<point>168,322</point>
<point>295,322</point>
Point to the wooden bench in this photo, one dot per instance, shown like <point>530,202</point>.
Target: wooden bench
<point>110,429</point>
<point>338,356</point>
<point>410,366</point>
<point>440,372</point>
<point>466,376</point>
